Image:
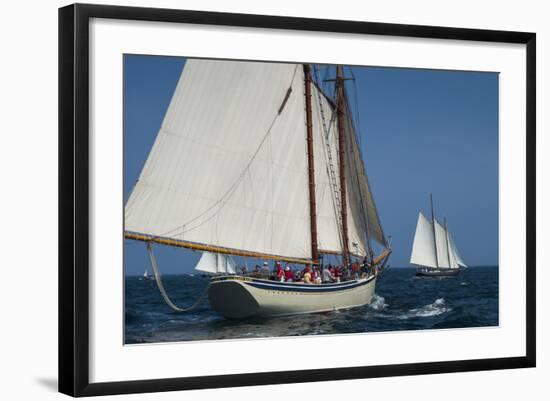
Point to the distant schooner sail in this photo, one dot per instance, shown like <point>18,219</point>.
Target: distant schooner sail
<point>216,264</point>
<point>248,162</point>
<point>434,250</point>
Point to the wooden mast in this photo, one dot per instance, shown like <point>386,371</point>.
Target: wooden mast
<point>433,226</point>
<point>340,102</point>
<point>311,167</point>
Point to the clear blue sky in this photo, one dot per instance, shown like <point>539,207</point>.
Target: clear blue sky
<point>421,131</point>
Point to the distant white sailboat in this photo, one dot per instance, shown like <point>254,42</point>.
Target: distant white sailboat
<point>254,160</point>
<point>147,276</point>
<point>434,251</point>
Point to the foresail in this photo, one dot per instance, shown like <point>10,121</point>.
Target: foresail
<point>446,257</point>
<point>361,208</point>
<point>226,264</point>
<point>454,251</point>
<point>214,263</point>
<point>229,165</point>
<point>325,143</point>
<point>423,249</point>
<point>207,263</point>
<point>364,214</point>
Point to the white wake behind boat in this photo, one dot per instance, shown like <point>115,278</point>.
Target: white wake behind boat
<point>254,160</point>
<point>434,252</point>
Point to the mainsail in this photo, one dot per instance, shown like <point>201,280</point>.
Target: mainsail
<point>435,252</point>
<point>228,172</point>
<point>215,263</point>
<point>423,250</point>
<point>229,166</point>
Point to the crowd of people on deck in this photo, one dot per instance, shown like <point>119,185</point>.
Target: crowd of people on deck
<point>312,274</point>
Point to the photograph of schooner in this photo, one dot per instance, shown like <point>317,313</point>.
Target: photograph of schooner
<point>255,191</point>
<point>253,159</point>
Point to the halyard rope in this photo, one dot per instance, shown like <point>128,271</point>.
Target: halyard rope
<point>160,286</point>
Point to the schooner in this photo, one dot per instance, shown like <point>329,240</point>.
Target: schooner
<point>254,160</point>
<point>434,251</point>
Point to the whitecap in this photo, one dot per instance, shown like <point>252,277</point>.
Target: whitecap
<point>436,308</point>
<point>378,303</point>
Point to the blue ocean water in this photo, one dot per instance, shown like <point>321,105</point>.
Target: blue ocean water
<point>402,302</point>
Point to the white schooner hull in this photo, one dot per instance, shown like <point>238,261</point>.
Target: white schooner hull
<point>237,297</point>
<point>434,272</point>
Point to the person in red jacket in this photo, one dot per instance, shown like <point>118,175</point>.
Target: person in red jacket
<point>280,272</point>
<point>289,274</point>
<point>338,273</point>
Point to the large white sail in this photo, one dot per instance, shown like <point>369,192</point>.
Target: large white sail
<point>325,143</point>
<point>215,263</point>
<point>364,214</point>
<point>229,165</point>
<point>423,250</point>
<point>228,168</point>
<point>454,251</point>
<point>437,252</point>
<point>444,258</point>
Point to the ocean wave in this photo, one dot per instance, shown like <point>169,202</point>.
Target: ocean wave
<point>436,308</point>
<point>378,303</point>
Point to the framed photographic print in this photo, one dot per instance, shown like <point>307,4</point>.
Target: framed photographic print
<point>238,189</point>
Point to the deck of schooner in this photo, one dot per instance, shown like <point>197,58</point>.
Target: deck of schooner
<point>253,159</point>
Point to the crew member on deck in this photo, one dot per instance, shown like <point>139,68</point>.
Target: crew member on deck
<point>355,270</point>
<point>338,273</point>
<point>317,275</point>
<point>328,277</point>
<point>279,274</point>
<point>307,277</point>
<point>289,274</point>
<point>265,270</point>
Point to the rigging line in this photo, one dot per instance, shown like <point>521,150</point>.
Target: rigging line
<point>328,159</point>
<point>161,288</point>
<point>223,199</point>
<point>357,114</point>
<point>359,136</point>
<point>351,155</point>
<point>270,152</point>
<point>364,210</point>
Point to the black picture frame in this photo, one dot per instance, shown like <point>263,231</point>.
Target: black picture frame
<point>74,198</point>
